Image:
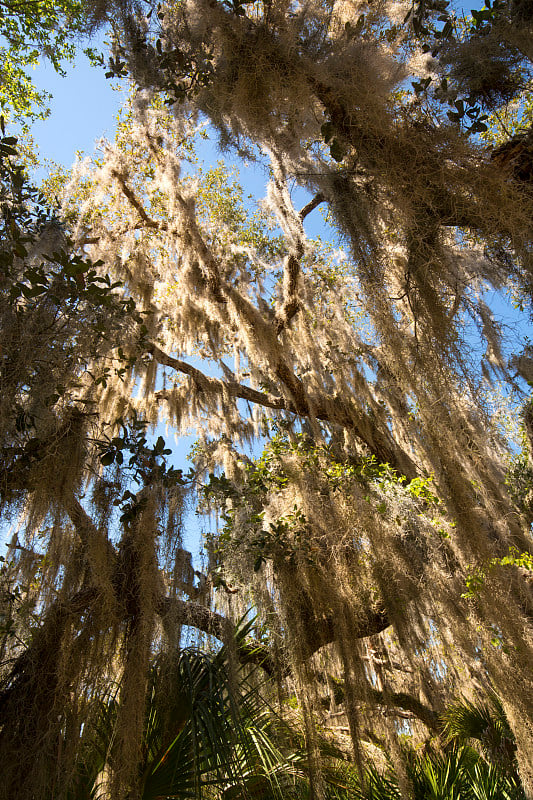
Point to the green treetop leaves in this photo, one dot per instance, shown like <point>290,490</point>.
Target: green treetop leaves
<point>29,31</point>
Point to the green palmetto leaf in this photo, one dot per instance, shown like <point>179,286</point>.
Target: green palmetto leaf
<point>471,720</point>
<point>484,722</point>
<point>203,732</point>
<point>443,777</point>
<point>210,733</point>
<point>490,783</point>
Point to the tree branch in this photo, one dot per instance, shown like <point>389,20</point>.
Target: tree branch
<point>214,624</point>
<point>216,385</point>
<point>291,273</point>
<point>409,703</point>
<point>394,700</point>
<point>136,203</point>
<point>218,288</point>
<point>449,207</point>
<point>35,669</point>
<point>193,238</point>
<point>311,205</point>
<point>317,632</point>
<point>90,537</point>
<point>290,305</point>
<point>379,442</point>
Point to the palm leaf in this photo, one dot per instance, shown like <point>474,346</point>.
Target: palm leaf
<point>227,739</point>
<point>442,777</point>
<point>484,722</point>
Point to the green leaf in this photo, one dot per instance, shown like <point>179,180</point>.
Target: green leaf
<point>259,561</point>
<point>337,150</point>
<point>327,130</point>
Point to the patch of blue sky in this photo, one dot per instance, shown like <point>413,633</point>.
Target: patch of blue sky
<point>83,109</point>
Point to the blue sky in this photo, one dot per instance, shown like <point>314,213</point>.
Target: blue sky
<point>83,109</point>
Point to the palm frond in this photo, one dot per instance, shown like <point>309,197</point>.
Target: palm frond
<point>484,722</point>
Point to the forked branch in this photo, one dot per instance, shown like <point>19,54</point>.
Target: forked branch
<point>291,272</point>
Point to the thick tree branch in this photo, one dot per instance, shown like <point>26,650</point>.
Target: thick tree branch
<point>394,700</point>
<point>193,238</point>
<point>214,624</point>
<point>336,412</point>
<point>220,291</point>
<point>95,543</point>
<point>85,527</point>
<point>290,305</point>
<point>311,205</point>
<point>35,670</point>
<point>447,207</point>
<point>316,632</point>
<point>27,668</point>
<point>217,386</point>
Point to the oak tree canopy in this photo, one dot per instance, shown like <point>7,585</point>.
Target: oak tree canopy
<point>383,536</point>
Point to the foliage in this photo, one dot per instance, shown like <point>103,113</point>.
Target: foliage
<point>475,580</point>
<point>486,723</point>
<point>289,536</point>
<point>56,305</point>
<point>157,293</point>
<point>484,59</point>
<point>31,31</point>
<point>201,733</point>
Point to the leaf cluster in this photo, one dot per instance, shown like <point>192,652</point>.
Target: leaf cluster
<point>33,30</point>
